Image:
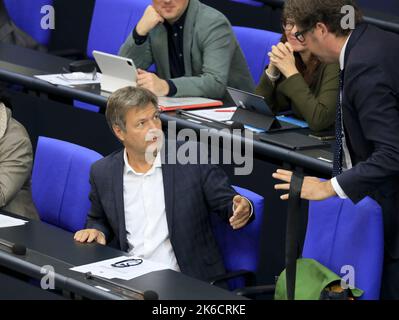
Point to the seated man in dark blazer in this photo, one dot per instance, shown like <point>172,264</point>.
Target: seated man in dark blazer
<point>150,208</point>
<point>366,160</point>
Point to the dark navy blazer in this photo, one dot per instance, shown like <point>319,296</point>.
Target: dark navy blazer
<point>371,122</point>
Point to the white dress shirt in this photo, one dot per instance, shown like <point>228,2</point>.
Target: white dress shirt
<point>346,155</point>
<point>145,214</point>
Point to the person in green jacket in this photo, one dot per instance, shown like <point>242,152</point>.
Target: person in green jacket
<point>296,79</point>
<point>193,47</point>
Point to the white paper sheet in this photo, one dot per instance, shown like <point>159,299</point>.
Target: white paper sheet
<point>6,221</point>
<point>71,79</point>
<point>106,270</point>
<point>218,114</point>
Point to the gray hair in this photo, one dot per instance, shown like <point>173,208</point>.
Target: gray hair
<point>122,100</point>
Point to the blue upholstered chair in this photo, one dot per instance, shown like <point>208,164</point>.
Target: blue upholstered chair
<point>60,182</point>
<point>358,240</point>
<point>345,238</point>
<point>26,14</point>
<point>255,44</point>
<point>111,23</point>
<point>240,248</point>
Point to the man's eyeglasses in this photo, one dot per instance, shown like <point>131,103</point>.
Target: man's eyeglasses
<point>299,35</point>
<point>127,263</point>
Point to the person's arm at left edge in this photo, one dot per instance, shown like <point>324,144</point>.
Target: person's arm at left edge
<point>16,159</point>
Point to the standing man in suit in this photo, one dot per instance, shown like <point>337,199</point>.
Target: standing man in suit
<point>366,159</point>
<point>153,209</point>
<point>194,50</point>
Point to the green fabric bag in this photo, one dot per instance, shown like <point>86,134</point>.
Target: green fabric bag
<point>312,278</point>
<point>305,279</point>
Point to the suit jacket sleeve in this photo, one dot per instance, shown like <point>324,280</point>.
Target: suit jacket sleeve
<point>217,190</point>
<point>218,48</point>
<point>376,104</point>
<point>318,109</point>
<point>267,89</point>
<point>140,54</point>
<point>96,219</point>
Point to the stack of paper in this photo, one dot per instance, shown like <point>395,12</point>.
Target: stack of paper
<point>71,79</point>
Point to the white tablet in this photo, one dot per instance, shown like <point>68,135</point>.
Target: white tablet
<point>117,72</point>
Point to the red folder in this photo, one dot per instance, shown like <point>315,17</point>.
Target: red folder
<point>207,103</point>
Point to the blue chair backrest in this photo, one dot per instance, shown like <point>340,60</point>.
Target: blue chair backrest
<point>60,182</point>
<point>340,234</point>
<point>111,23</point>
<point>26,14</point>
<point>255,44</point>
<point>240,248</point>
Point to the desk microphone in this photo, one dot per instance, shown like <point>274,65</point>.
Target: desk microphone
<point>147,295</point>
<point>15,248</point>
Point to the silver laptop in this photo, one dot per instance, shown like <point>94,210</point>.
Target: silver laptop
<point>117,72</point>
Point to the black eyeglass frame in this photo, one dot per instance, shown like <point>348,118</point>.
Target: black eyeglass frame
<point>300,35</point>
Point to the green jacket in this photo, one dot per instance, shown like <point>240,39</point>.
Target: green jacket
<point>316,104</point>
<point>212,56</point>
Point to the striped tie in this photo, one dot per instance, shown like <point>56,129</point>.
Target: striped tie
<point>337,165</point>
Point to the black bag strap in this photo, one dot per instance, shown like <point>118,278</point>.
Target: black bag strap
<point>292,233</point>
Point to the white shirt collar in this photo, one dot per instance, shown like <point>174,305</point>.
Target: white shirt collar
<point>157,164</point>
<point>342,54</point>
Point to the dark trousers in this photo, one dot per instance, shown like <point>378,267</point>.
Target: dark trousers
<point>390,279</point>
